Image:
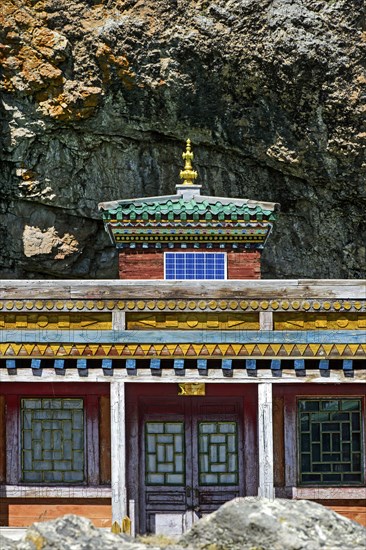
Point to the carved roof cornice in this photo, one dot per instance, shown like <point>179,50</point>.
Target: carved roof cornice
<point>198,204</point>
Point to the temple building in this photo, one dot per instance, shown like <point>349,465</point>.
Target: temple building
<point>151,400</point>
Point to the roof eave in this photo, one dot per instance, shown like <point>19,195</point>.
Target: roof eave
<point>272,206</point>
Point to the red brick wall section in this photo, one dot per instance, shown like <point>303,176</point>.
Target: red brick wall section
<point>245,264</point>
<point>141,264</point>
<point>149,264</point>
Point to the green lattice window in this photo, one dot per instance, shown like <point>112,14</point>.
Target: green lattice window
<point>164,453</point>
<point>330,441</point>
<point>218,453</point>
<point>52,437</point>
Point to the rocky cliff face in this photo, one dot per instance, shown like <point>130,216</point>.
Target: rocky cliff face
<point>98,97</point>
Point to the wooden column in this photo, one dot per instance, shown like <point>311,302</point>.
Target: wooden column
<point>13,472</point>
<point>118,320</point>
<point>118,451</point>
<point>265,440</point>
<point>92,436</point>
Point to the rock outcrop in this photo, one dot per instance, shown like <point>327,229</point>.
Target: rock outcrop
<point>242,524</point>
<point>99,96</point>
<point>74,533</point>
<point>261,524</point>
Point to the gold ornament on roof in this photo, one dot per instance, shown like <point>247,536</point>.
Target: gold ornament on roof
<point>188,175</point>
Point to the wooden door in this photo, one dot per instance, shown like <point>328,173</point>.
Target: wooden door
<point>192,460</point>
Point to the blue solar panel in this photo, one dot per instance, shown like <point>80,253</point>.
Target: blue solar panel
<point>198,265</point>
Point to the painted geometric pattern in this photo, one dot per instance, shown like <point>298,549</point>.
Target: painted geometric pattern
<point>218,453</point>
<point>190,321</point>
<point>52,440</point>
<point>164,453</point>
<point>319,321</point>
<point>258,230</point>
<point>187,320</point>
<point>183,350</point>
<point>330,437</point>
<point>168,233</point>
<point>184,305</point>
<point>256,238</point>
<point>56,320</point>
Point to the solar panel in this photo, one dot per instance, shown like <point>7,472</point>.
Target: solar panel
<point>195,265</point>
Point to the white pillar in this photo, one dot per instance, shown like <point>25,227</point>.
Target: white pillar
<point>265,441</point>
<point>118,320</point>
<point>118,451</point>
<point>266,320</point>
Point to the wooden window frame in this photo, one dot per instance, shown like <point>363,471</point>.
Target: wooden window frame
<point>91,395</point>
<point>358,483</point>
<point>291,457</point>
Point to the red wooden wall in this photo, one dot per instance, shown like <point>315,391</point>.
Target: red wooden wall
<point>22,512</point>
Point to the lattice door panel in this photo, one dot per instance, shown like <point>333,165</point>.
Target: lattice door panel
<point>164,453</point>
<point>218,453</point>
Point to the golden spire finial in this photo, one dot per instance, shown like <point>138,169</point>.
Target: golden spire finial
<point>188,175</point>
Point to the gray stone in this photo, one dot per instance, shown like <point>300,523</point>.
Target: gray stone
<point>6,543</point>
<point>74,533</point>
<point>260,524</point>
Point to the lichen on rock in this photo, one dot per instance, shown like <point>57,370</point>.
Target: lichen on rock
<point>37,241</point>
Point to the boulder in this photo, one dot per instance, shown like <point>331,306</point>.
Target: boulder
<point>73,532</point>
<point>260,524</point>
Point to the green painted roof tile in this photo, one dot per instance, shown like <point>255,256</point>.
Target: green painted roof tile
<point>183,209</point>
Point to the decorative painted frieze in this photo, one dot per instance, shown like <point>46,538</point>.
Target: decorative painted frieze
<point>251,345</point>
<point>56,320</point>
<point>189,321</point>
<point>178,304</point>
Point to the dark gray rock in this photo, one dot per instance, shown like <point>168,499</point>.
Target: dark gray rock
<point>98,98</point>
<point>261,524</point>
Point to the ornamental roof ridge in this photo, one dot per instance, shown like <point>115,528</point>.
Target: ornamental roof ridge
<point>180,199</point>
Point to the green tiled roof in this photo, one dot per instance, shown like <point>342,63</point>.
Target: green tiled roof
<point>192,209</point>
